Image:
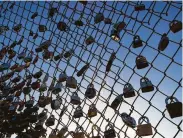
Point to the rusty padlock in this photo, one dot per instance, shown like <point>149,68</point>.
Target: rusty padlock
<point>175,26</point>
<point>53,134</point>
<point>128,90</point>
<point>144,129</point>
<point>17,28</point>
<point>38,74</point>
<point>92,112</point>
<point>62,77</point>
<point>141,62</point>
<point>174,109</point>
<point>62,132</point>
<point>52,11</point>
<point>146,85</point>
<point>109,133</point>
<point>67,54</point>
<point>137,42</point>
<point>35,85</point>
<point>16,79</point>
<point>163,42</point>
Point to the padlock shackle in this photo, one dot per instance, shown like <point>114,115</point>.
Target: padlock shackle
<point>171,98</point>
<point>140,57</point>
<point>144,79</point>
<point>136,37</point>
<point>109,125</point>
<point>173,22</point>
<point>143,117</point>
<point>94,127</point>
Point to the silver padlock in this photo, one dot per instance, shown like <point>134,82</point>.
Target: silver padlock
<point>55,104</point>
<point>78,112</point>
<point>128,120</point>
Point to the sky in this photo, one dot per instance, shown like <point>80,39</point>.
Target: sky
<point>164,73</point>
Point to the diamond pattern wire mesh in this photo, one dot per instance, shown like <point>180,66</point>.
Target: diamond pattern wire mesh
<point>164,68</point>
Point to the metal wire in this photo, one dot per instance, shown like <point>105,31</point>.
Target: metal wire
<point>108,85</point>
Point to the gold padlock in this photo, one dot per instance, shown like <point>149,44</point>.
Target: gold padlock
<point>78,134</point>
<point>92,111</point>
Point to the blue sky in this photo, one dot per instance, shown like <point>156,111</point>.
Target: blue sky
<point>97,55</point>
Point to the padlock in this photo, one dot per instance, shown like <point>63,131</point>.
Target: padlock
<point>144,129</point>
<point>119,26</point>
<point>28,58</point>
<point>29,81</point>
<point>163,42</point>
<point>57,57</point>
<point>45,44</point>
<point>43,87</point>
<point>42,101</point>
<point>35,36</point>
<point>109,133</point>
<point>62,26</point>
<point>92,112</point>
<point>31,33</point>
<point>84,2</point>
<point>174,109</point>
<point>20,85</point>
<point>35,59</point>
<point>98,131</point>
<point>107,21</point>
<point>137,42</point>
<point>38,74</point>
<point>33,118</point>
<point>78,134</point>
<point>115,35</point>
<point>75,99</point>
<point>38,49</point>
<point>50,121</point>
<point>43,115</point>
<point>175,26</point>
<point>146,85</point>
<point>71,82</point>
<point>99,18</point>
<point>29,103</point>
<point>55,104</point>
<point>82,70</point>
<point>16,79</point>
<point>62,132</point>
<point>111,59</point>
<point>47,55</point>
<point>58,88</point>
<point>62,77</point>
<point>128,120</point>
<point>34,15</point>
<point>128,90</point>
<point>35,85</point>
<point>42,28</point>
<point>90,91</point>
<point>68,53</point>
<point>19,68</point>
<point>141,62</point>
<point>139,7</point>
<point>53,134</point>
<point>17,28</point>
<point>11,53</point>
<point>4,66</point>
<point>18,93</point>
<point>39,125</point>
<point>14,66</point>
<point>52,84</point>
<point>116,101</point>
<point>78,112</point>
<point>52,11</point>
<point>78,23</point>
<point>89,40</point>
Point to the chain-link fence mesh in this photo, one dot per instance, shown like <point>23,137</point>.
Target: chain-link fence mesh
<point>164,70</point>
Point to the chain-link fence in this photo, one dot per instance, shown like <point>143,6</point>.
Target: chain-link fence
<point>52,49</point>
